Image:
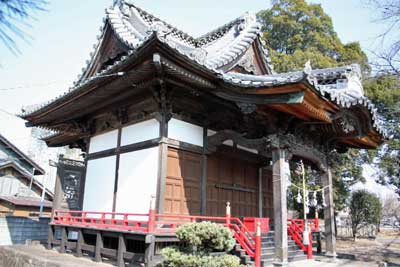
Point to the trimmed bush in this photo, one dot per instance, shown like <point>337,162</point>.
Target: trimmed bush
<point>206,236</point>
<point>175,258</point>
<point>201,240</point>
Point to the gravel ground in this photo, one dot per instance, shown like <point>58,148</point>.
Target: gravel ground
<point>385,248</point>
<point>362,253</point>
<point>325,262</point>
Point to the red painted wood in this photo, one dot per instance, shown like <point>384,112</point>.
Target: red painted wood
<point>296,229</point>
<point>251,224</point>
<point>159,223</point>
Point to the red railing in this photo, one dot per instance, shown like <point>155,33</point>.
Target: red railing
<point>103,220</point>
<point>152,222</point>
<point>296,229</point>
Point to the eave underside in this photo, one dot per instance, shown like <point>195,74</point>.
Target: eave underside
<point>296,101</point>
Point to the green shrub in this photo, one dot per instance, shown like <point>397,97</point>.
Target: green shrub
<point>199,240</point>
<point>175,258</point>
<point>206,236</point>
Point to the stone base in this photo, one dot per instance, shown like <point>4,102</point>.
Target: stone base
<point>332,256</point>
<point>280,263</point>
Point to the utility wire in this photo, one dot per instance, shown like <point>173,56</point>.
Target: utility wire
<point>56,82</point>
<point>27,86</point>
<point>8,113</point>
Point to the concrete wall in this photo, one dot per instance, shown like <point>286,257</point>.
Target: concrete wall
<point>16,230</point>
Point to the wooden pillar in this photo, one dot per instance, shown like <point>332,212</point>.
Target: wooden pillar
<point>149,252</point>
<point>329,217</point>
<point>117,158</point>
<point>79,244</point>
<point>203,185</point>
<point>58,192</point>
<point>280,207</point>
<point>260,192</point>
<point>99,246</point>
<point>121,251</point>
<point>82,183</point>
<point>64,239</point>
<point>162,162</point>
<point>50,237</point>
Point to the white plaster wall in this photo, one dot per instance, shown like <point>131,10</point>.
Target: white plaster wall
<point>103,141</point>
<point>99,184</point>
<point>286,173</point>
<point>247,149</point>
<point>185,132</point>
<point>137,180</point>
<point>228,143</point>
<point>210,132</point>
<point>140,132</point>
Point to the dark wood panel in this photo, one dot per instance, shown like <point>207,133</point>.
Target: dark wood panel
<point>182,188</point>
<point>268,208</point>
<point>232,179</point>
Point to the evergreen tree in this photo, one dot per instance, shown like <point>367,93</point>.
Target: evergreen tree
<point>295,32</point>
<point>384,90</point>
<point>365,209</point>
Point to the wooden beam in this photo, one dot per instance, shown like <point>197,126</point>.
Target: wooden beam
<point>282,98</point>
<point>141,145</point>
<point>124,149</point>
<point>88,248</point>
<point>184,146</point>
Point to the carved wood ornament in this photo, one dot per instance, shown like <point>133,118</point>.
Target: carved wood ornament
<point>292,144</point>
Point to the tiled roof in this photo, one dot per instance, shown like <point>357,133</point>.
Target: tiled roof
<point>135,27</point>
<point>215,49</point>
<point>26,201</point>
<point>248,80</point>
<point>340,85</point>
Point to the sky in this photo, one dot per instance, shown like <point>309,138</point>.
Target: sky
<point>64,35</point>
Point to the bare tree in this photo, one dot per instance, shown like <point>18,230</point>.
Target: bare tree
<point>388,12</point>
<point>14,15</point>
<point>391,210</point>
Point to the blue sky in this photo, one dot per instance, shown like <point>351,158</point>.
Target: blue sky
<point>64,36</point>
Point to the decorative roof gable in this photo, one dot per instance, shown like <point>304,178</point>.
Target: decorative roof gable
<point>223,46</point>
<point>229,62</point>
